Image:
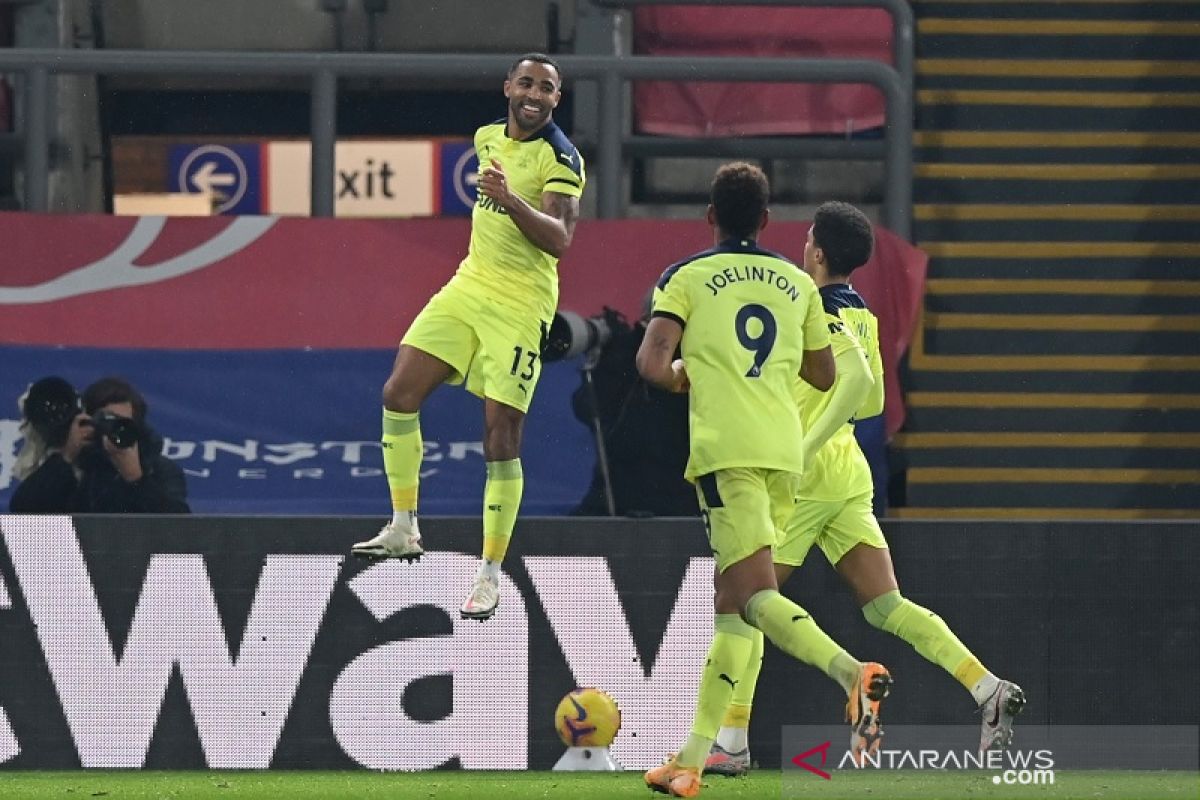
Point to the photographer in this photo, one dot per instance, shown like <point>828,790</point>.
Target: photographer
<point>110,461</point>
<point>645,433</point>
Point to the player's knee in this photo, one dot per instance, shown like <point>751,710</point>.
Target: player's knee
<point>399,396</point>
<point>497,450</point>
<point>878,610</point>
<point>727,602</point>
<point>502,439</point>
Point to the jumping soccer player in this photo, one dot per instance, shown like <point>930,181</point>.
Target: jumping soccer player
<point>485,327</point>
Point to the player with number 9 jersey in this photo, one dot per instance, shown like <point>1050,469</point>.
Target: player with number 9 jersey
<point>741,308</point>
<point>746,322</point>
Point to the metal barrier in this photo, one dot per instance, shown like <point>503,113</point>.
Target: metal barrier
<point>324,69</point>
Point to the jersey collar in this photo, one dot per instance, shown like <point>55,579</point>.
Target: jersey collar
<point>735,244</point>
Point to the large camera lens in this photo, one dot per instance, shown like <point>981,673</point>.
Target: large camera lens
<point>121,431</point>
<point>570,335</point>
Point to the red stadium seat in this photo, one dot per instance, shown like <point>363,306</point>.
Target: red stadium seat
<point>748,109</point>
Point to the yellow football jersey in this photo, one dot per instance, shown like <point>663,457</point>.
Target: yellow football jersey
<point>748,315</point>
<point>501,263</point>
<point>839,469</point>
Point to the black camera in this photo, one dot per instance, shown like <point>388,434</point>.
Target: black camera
<point>121,431</point>
<point>571,334</point>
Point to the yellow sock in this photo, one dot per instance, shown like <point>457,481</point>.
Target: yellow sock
<point>733,641</point>
<point>927,633</point>
<point>403,450</point>
<point>743,695</point>
<point>792,630</point>
<point>734,735</point>
<point>501,500</point>
<point>738,714</point>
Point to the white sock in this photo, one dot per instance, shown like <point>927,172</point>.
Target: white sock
<point>734,740</point>
<point>404,520</point>
<point>985,688</point>
<point>489,569</point>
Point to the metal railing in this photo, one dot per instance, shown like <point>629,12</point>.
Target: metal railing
<point>610,72</point>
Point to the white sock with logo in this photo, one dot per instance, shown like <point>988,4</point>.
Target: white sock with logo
<point>488,569</point>
<point>985,688</point>
<point>404,521</point>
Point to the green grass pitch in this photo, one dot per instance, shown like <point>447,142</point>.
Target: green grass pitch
<point>135,785</point>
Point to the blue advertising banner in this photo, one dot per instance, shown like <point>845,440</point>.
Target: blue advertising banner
<point>231,173</point>
<point>297,431</point>
<point>460,174</point>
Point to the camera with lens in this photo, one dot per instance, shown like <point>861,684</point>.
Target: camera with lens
<point>121,431</point>
<point>571,334</point>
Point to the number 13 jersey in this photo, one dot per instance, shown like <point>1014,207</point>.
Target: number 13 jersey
<point>748,315</point>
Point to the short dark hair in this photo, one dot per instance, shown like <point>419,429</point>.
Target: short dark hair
<point>539,58</point>
<point>740,192</point>
<point>844,234</point>
<point>114,390</point>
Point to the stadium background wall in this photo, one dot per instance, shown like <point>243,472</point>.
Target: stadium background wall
<point>116,635</point>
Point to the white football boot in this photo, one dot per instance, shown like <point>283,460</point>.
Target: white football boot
<point>998,712</point>
<point>482,601</point>
<point>394,540</point>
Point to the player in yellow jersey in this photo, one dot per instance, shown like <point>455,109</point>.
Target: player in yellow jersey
<point>834,508</point>
<point>485,327</point>
<point>747,322</point>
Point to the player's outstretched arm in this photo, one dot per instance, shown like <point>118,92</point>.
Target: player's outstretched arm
<point>656,356</point>
<point>853,384</point>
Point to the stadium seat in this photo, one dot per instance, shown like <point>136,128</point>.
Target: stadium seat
<point>281,25</point>
<point>217,25</point>
<point>515,27</point>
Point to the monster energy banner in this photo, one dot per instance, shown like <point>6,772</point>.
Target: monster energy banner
<point>297,431</point>
<point>191,642</point>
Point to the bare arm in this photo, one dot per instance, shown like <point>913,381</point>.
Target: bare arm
<point>818,368</point>
<point>550,228</point>
<point>655,356</point>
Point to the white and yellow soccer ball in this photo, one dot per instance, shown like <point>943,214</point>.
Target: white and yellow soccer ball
<point>587,718</point>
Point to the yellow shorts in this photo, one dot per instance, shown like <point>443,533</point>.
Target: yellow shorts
<point>744,510</point>
<point>494,349</point>
<point>834,526</point>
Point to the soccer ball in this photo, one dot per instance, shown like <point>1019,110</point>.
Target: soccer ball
<point>587,718</point>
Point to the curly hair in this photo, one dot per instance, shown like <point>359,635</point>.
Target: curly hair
<point>740,192</point>
<point>844,234</point>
